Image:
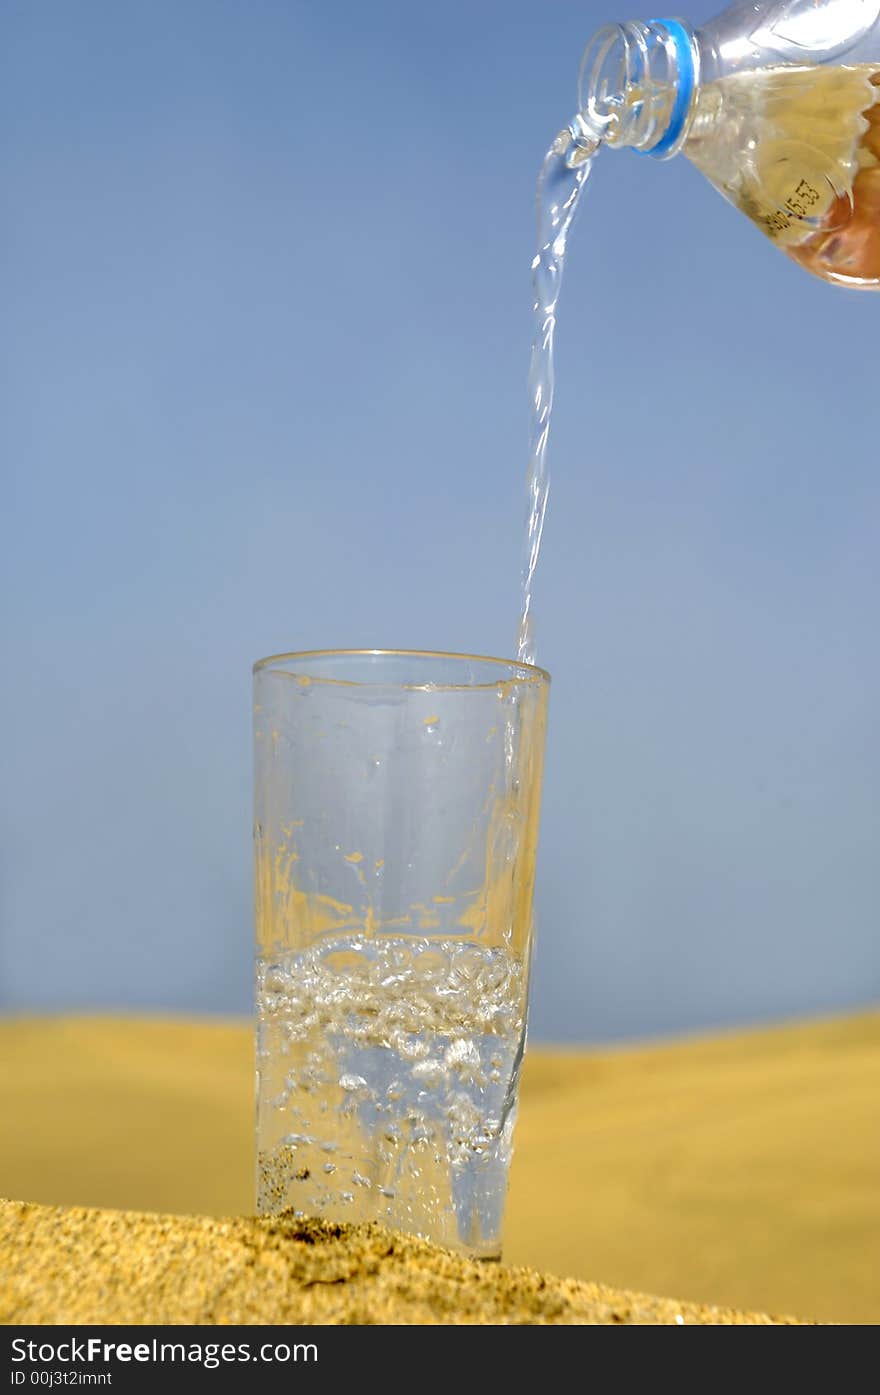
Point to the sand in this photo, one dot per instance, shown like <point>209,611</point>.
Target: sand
<point>738,1170</point>
<point>74,1265</point>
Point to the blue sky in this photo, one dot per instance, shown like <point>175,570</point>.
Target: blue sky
<point>265,343</point>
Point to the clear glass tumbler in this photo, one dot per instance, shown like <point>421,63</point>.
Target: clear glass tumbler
<point>396,825</point>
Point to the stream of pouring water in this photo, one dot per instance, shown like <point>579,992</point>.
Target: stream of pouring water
<point>563,177</point>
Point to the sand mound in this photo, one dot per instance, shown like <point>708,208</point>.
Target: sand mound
<point>73,1265</point>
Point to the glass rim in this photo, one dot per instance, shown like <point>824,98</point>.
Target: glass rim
<point>518,671</point>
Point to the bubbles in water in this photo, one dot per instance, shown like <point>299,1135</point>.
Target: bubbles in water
<point>409,1049</point>
<point>352,1082</point>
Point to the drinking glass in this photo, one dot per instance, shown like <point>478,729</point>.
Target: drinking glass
<point>397,798</point>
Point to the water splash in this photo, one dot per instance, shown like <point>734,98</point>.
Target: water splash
<point>399,1057</point>
<point>561,183</point>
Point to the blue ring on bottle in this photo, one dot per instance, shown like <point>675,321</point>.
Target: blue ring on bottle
<point>686,78</point>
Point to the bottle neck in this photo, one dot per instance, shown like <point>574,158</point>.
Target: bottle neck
<point>638,83</point>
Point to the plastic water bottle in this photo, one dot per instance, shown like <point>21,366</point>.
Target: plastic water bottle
<point>777,103</point>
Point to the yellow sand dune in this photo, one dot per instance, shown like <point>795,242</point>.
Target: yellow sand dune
<point>72,1265</point>
<point>739,1170</point>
